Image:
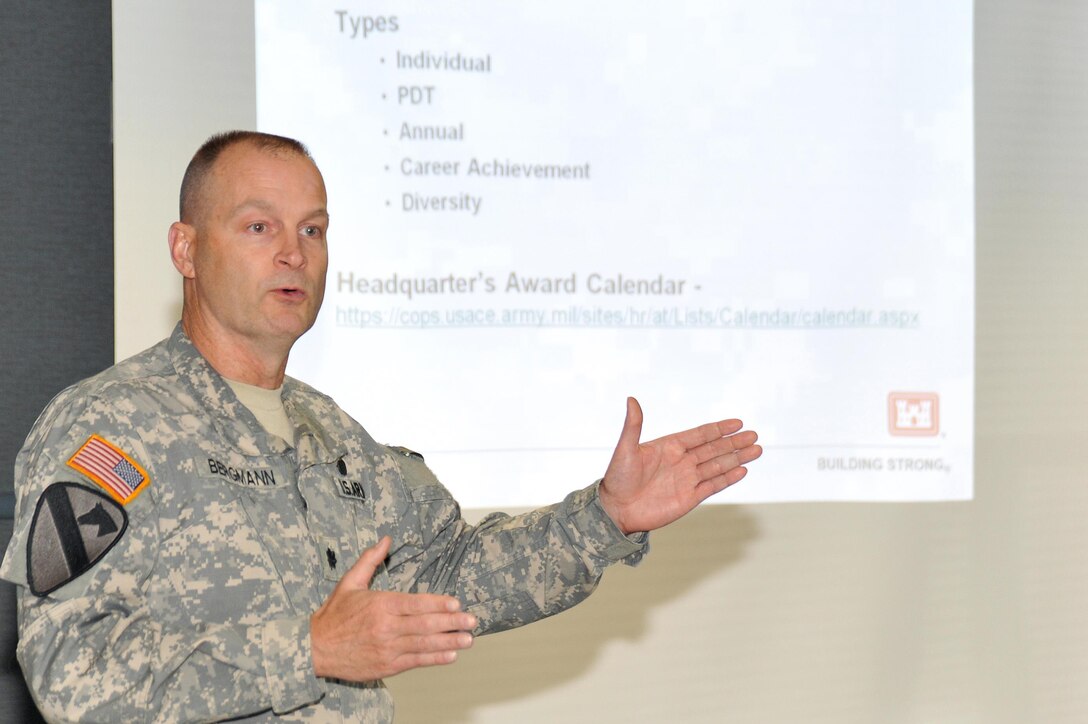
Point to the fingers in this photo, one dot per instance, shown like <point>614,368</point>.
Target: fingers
<point>720,433</point>
<point>426,640</point>
<point>724,446</point>
<point>722,464</point>
<point>425,614</point>
<point>421,603</point>
<point>706,488</point>
<point>718,473</point>
<point>419,628</point>
<point>437,643</point>
<point>705,433</point>
<point>749,454</point>
<point>436,658</point>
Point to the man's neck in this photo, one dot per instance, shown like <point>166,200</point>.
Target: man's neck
<point>239,359</point>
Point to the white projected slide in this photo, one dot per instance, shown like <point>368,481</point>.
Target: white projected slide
<point>750,209</point>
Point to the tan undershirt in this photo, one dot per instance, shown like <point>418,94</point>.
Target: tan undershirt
<point>267,406</point>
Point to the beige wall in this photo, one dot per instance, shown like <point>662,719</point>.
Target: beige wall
<point>965,612</point>
<point>182,70</point>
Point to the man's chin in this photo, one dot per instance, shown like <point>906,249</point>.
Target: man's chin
<point>289,329</point>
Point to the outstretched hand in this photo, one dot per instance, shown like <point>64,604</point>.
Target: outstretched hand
<point>364,635</point>
<point>651,484</point>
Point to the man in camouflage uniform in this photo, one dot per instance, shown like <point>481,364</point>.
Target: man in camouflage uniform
<point>199,537</point>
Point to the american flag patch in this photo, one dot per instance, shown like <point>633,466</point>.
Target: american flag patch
<point>110,467</point>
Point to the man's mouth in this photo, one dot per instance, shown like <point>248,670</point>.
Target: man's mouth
<point>290,292</point>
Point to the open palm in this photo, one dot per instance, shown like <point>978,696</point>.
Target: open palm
<point>649,485</point>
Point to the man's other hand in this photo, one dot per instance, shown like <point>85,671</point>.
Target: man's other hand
<point>364,635</point>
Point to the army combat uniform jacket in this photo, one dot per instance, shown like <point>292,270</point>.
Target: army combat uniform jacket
<point>169,552</point>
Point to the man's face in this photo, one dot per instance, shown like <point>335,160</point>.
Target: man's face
<point>259,252</point>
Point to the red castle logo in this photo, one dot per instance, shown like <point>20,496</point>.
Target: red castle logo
<point>913,413</point>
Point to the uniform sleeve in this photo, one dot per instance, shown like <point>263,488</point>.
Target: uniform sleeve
<point>97,648</point>
<point>508,570</point>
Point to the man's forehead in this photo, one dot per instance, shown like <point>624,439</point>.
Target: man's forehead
<point>246,158</point>
<point>250,177</point>
<point>260,204</point>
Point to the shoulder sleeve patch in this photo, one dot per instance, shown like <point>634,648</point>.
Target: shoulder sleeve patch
<point>405,452</point>
<point>73,527</point>
<point>111,467</point>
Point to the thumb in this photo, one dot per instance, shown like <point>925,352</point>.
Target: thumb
<point>632,426</point>
<point>362,572</point>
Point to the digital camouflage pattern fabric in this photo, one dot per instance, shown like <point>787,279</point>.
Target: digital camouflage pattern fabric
<point>199,607</point>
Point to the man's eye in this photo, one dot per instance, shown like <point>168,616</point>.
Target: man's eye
<point>258,227</point>
<point>311,231</point>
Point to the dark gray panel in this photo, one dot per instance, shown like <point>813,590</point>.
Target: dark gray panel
<point>56,237</point>
<point>15,702</point>
<point>56,208</point>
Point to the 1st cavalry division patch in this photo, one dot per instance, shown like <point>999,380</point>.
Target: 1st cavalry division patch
<point>109,466</point>
<point>73,527</point>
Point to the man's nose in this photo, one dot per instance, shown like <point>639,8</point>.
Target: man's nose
<point>289,252</point>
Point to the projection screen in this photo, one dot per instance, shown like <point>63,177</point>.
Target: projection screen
<point>744,209</point>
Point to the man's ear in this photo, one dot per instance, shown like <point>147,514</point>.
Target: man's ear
<point>181,238</point>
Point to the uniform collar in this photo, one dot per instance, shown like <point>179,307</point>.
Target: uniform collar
<point>316,419</point>
<point>237,425</point>
<point>233,420</point>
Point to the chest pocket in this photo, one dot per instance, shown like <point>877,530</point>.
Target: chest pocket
<point>340,514</point>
